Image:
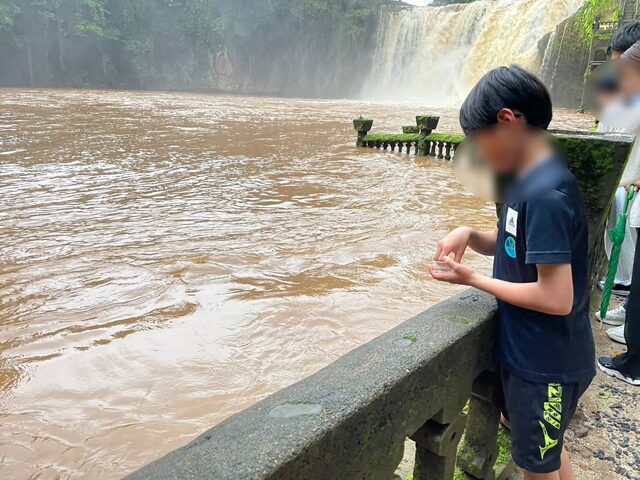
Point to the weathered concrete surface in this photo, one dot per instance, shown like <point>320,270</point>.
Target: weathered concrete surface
<point>351,419</point>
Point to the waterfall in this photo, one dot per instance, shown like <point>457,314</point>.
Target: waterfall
<point>546,57</point>
<point>544,72</point>
<point>436,54</point>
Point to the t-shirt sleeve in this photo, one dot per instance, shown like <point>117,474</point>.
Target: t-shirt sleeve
<point>550,227</point>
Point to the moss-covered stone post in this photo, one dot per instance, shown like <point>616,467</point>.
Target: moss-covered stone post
<point>426,124</point>
<point>597,162</point>
<point>362,126</point>
<point>436,447</point>
<point>479,450</point>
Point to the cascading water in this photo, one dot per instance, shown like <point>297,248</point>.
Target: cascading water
<point>436,54</point>
<point>545,71</point>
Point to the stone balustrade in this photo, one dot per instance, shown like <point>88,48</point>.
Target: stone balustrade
<point>431,379</point>
<point>418,139</point>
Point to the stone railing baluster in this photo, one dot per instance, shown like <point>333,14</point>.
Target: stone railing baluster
<point>447,155</point>
<point>432,150</point>
<point>436,449</point>
<point>479,451</point>
<point>455,149</point>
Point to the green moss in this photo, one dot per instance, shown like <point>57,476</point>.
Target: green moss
<point>459,475</point>
<point>413,137</point>
<point>398,137</point>
<point>411,338</point>
<point>591,161</point>
<point>362,124</point>
<point>446,137</point>
<point>504,452</point>
<point>504,444</point>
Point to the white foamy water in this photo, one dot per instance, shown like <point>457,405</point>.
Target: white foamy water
<point>436,54</point>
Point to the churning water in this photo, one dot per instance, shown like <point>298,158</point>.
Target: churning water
<point>169,259</point>
<point>436,54</point>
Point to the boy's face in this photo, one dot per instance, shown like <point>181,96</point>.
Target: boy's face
<point>500,145</point>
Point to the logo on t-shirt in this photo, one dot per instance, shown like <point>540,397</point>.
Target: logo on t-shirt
<point>512,222</point>
<point>510,247</point>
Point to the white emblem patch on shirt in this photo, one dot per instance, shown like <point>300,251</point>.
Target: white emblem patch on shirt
<point>512,222</point>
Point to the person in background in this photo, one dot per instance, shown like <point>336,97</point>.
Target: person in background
<point>545,346</point>
<point>618,117</point>
<point>626,367</point>
<point>606,93</point>
<point>609,101</point>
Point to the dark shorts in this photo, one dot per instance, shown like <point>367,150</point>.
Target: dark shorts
<point>539,414</point>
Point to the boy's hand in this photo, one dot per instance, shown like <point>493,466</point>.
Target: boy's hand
<point>456,242</point>
<point>628,187</point>
<point>453,272</point>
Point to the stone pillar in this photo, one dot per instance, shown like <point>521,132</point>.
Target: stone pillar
<point>426,125</point>
<point>362,126</point>
<point>436,447</point>
<point>479,450</point>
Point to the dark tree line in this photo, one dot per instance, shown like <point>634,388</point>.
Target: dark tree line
<point>271,46</point>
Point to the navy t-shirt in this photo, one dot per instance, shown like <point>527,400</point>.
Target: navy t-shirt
<point>543,221</point>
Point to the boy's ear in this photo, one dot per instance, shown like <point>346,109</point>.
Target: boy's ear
<point>506,115</point>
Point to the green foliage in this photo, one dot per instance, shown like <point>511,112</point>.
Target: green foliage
<point>182,43</point>
<point>592,11</point>
<point>8,13</point>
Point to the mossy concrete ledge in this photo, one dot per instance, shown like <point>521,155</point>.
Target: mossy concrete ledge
<point>351,419</point>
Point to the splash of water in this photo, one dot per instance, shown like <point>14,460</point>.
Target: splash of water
<point>436,54</point>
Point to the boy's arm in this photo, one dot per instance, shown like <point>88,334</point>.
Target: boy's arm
<point>458,240</point>
<point>484,242</point>
<point>551,294</point>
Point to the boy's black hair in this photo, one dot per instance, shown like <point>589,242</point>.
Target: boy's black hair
<point>626,37</point>
<point>506,87</point>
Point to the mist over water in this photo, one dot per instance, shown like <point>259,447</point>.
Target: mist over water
<point>436,54</point>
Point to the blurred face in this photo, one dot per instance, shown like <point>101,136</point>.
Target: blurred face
<point>604,98</point>
<point>500,145</point>
<point>629,72</point>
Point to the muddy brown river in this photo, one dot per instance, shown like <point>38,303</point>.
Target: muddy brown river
<point>170,259</point>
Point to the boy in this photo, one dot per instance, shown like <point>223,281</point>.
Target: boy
<point>544,346</point>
